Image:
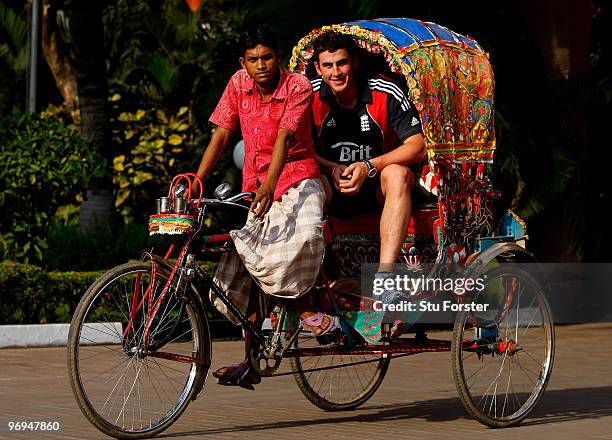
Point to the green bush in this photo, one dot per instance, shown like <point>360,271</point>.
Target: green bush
<point>44,165</point>
<point>154,146</point>
<point>151,146</point>
<point>30,295</point>
<point>72,249</point>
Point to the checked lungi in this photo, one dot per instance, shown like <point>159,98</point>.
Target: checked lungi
<point>282,251</point>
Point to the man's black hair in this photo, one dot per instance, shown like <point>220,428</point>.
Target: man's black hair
<point>332,41</point>
<point>258,34</point>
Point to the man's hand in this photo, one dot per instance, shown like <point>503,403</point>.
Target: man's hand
<point>336,175</point>
<point>263,199</point>
<point>354,175</point>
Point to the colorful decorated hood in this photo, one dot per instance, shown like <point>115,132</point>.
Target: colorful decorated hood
<point>449,79</point>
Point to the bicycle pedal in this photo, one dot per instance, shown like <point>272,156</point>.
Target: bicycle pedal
<point>241,383</point>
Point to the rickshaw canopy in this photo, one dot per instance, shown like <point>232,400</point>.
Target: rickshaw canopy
<point>448,76</point>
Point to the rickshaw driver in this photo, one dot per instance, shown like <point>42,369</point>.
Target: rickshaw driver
<point>281,243</point>
<point>368,137</point>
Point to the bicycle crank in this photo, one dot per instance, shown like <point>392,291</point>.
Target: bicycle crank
<point>263,364</point>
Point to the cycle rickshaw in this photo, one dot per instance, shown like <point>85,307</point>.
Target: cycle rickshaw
<point>140,349</point>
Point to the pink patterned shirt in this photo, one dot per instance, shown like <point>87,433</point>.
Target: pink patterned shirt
<point>289,107</point>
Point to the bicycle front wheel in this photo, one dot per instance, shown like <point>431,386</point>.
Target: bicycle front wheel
<point>502,358</point>
<point>130,385</point>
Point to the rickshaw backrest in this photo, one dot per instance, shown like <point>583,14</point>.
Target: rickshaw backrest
<point>450,81</point>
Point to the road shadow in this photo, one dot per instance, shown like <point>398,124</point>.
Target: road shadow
<point>572,404</point>
<point>556,406</point>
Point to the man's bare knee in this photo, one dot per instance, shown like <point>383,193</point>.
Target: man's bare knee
<point>396,178</point>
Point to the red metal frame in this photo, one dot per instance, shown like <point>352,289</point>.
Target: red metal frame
<point>153,305</point>
<point>399,346</point>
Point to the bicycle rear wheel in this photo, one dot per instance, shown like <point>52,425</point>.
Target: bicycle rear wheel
<point>128,387</point>
<point>502,358</point>
<point>337,382</point>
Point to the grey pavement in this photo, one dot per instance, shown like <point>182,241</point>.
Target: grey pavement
<point>416,400</point>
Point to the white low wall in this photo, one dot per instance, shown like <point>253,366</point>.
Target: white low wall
<point>44,335</point>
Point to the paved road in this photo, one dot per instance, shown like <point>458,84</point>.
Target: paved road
<point>416,400</point>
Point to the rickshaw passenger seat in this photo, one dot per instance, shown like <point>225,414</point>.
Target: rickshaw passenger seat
<point>421,223</point>
<point>424,214</point>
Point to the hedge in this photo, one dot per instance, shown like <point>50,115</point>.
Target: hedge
<point>30,295</point>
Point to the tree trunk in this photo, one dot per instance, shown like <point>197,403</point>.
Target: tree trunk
<point>90,66</point>
<point>88,31</point>
<point>58,60</point>
<point>562,29</point>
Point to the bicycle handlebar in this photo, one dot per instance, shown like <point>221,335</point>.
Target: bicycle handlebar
<point>230,201</point>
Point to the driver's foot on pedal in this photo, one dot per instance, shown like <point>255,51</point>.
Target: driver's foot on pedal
<point>317,323</point>
<point>238,374</point>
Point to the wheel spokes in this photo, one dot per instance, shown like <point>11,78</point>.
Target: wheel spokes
<point>125,386</point>
<point>505,387</point>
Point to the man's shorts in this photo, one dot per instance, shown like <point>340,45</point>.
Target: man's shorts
<point>367,200</point>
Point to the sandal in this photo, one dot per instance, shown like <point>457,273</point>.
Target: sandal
<point>241,375</point>
<point>316,321</point>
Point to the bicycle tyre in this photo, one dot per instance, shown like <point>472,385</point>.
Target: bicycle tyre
<point>185,378</point>
<point>531,358</point>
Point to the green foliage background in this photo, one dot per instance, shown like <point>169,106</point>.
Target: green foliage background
<point>45,165</point>
<point>166,69</point>
<point>161,59</point>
